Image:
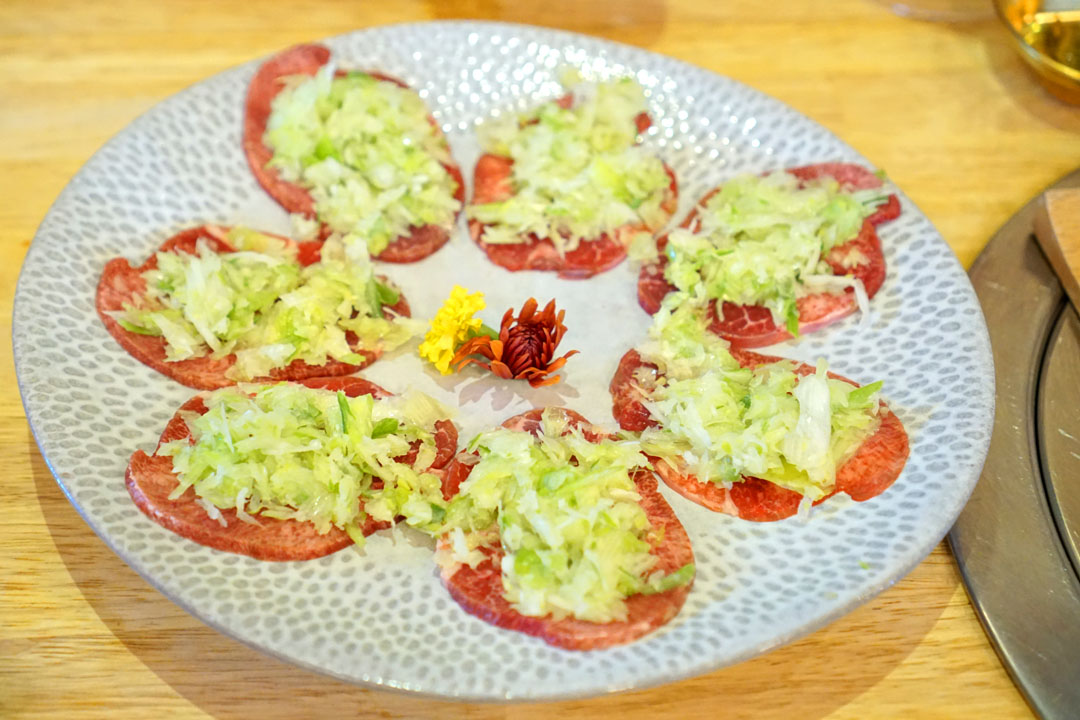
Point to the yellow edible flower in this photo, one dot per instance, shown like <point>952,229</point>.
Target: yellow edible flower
<point>451,326</point>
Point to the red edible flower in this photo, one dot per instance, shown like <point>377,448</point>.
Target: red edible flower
<point>525,347</point>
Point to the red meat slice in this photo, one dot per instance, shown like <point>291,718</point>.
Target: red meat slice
<point>267,83</point>
<point>627,407</point>
<point>592,257</point>
<point>749,326</point>
<point>446,439</point>
<point>873,468</point>
<point>121,283</point>
<point>299,60</point>
<point>150,479</point>
<point>492,183</point>
<point>479,590</point>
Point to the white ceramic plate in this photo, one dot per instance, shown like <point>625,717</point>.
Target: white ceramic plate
<point>380,616</point>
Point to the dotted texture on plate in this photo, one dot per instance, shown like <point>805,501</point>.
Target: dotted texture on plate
<point>380,616</point>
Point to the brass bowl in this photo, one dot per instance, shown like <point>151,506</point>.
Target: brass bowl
<point>1022,17</point>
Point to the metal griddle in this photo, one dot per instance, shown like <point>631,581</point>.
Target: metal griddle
<point>1018,539</point>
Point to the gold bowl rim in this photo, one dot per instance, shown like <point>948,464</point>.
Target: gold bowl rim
<point>1039,60</point>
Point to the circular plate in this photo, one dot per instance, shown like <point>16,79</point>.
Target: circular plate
<point>379,615</point>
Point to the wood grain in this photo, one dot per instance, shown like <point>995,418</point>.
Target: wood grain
<point>947,110</point>
<point>1057,227</point>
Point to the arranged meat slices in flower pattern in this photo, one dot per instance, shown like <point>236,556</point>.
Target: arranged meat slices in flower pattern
<point>150,478</point>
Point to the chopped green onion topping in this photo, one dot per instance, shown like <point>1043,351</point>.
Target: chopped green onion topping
<point>265,309</point>
<point>762,240</point>
<point>566,513</point>
<point>722,421</point>
<point>367,152</point>
<point>577,172</point>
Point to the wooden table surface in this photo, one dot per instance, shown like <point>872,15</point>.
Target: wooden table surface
<point>948,110</point>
